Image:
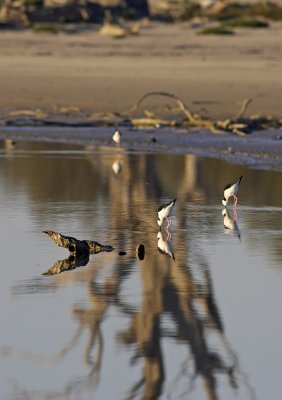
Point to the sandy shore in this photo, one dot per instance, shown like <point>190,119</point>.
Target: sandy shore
<point>93,73</point>
<point>259,150</point>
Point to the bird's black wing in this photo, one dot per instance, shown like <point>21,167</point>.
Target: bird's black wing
<point>166,205</point>
<point>233,183</point>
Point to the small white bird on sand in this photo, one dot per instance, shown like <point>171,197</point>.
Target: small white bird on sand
<point>164,212</point>
<point>117,137</point>
<point>231,190</point>
<point>164,246</point>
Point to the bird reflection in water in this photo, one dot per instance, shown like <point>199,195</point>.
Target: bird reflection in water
<point>230,224</point>
<point>117,167</point>
<point>9,144</point>
<point>195,315</point>
<point>164,246</point>
<point>173,291</point>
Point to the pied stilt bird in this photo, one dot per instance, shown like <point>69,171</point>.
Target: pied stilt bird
<point>231,190</point>
<point>117,137</point>
<point>165,212</point>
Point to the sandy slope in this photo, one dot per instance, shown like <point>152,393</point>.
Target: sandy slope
<point>98,73</point>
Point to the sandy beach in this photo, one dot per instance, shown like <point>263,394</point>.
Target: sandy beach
<point>74,74</point>
<point>94,73</point>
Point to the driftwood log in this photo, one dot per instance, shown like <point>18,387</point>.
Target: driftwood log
<point>179,116</point>
<point>77,247</point>
<point>80,251</point>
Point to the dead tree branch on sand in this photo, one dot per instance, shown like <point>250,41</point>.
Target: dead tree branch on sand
<point>238,125</point>
<point>179,117</point>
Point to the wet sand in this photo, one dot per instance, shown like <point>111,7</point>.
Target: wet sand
<point>259,150</point>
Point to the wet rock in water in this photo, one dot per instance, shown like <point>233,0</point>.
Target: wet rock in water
<point>77,247</point>
<point>152,140</point>
<point>122,253</point>
<point>140,252</point>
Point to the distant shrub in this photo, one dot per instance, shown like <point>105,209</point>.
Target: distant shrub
<point>45,28</point>
<point>247,23</point>
<point>190,9</point>
<point>34,3</point>
<point>267,10</point>
<point>216,30</point>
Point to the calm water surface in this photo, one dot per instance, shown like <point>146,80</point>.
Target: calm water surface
<point>200,322</point>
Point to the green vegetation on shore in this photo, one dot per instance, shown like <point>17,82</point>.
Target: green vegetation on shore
<point>216,30</point>
<point>247,23</point>
<point>45,28</point>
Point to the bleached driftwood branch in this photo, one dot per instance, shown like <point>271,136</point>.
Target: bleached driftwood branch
<point>182,117</point>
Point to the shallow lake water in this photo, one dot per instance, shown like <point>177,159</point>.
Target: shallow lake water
<point>200,319</point>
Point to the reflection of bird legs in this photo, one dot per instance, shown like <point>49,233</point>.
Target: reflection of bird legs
<point>168,234</point>
<point>169,222</point>
<point>235,216</point>
<point>235,202</point>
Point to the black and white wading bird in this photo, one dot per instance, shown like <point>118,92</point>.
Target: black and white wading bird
<point>117,137</point>
<point>164,212</point>
<point>231,190</point>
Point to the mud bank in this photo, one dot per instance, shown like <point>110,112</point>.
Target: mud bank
<point>261,149</point>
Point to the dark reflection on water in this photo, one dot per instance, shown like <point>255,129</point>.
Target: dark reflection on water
<point>151,328</point>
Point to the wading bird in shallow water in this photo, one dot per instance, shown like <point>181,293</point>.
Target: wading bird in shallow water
<point>164,212</point>
<point>117,137</point>
<point>231,190</point>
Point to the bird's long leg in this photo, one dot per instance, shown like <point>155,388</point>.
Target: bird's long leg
<point>168,221</point>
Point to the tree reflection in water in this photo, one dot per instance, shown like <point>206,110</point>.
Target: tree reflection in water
<point>170,287</point>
